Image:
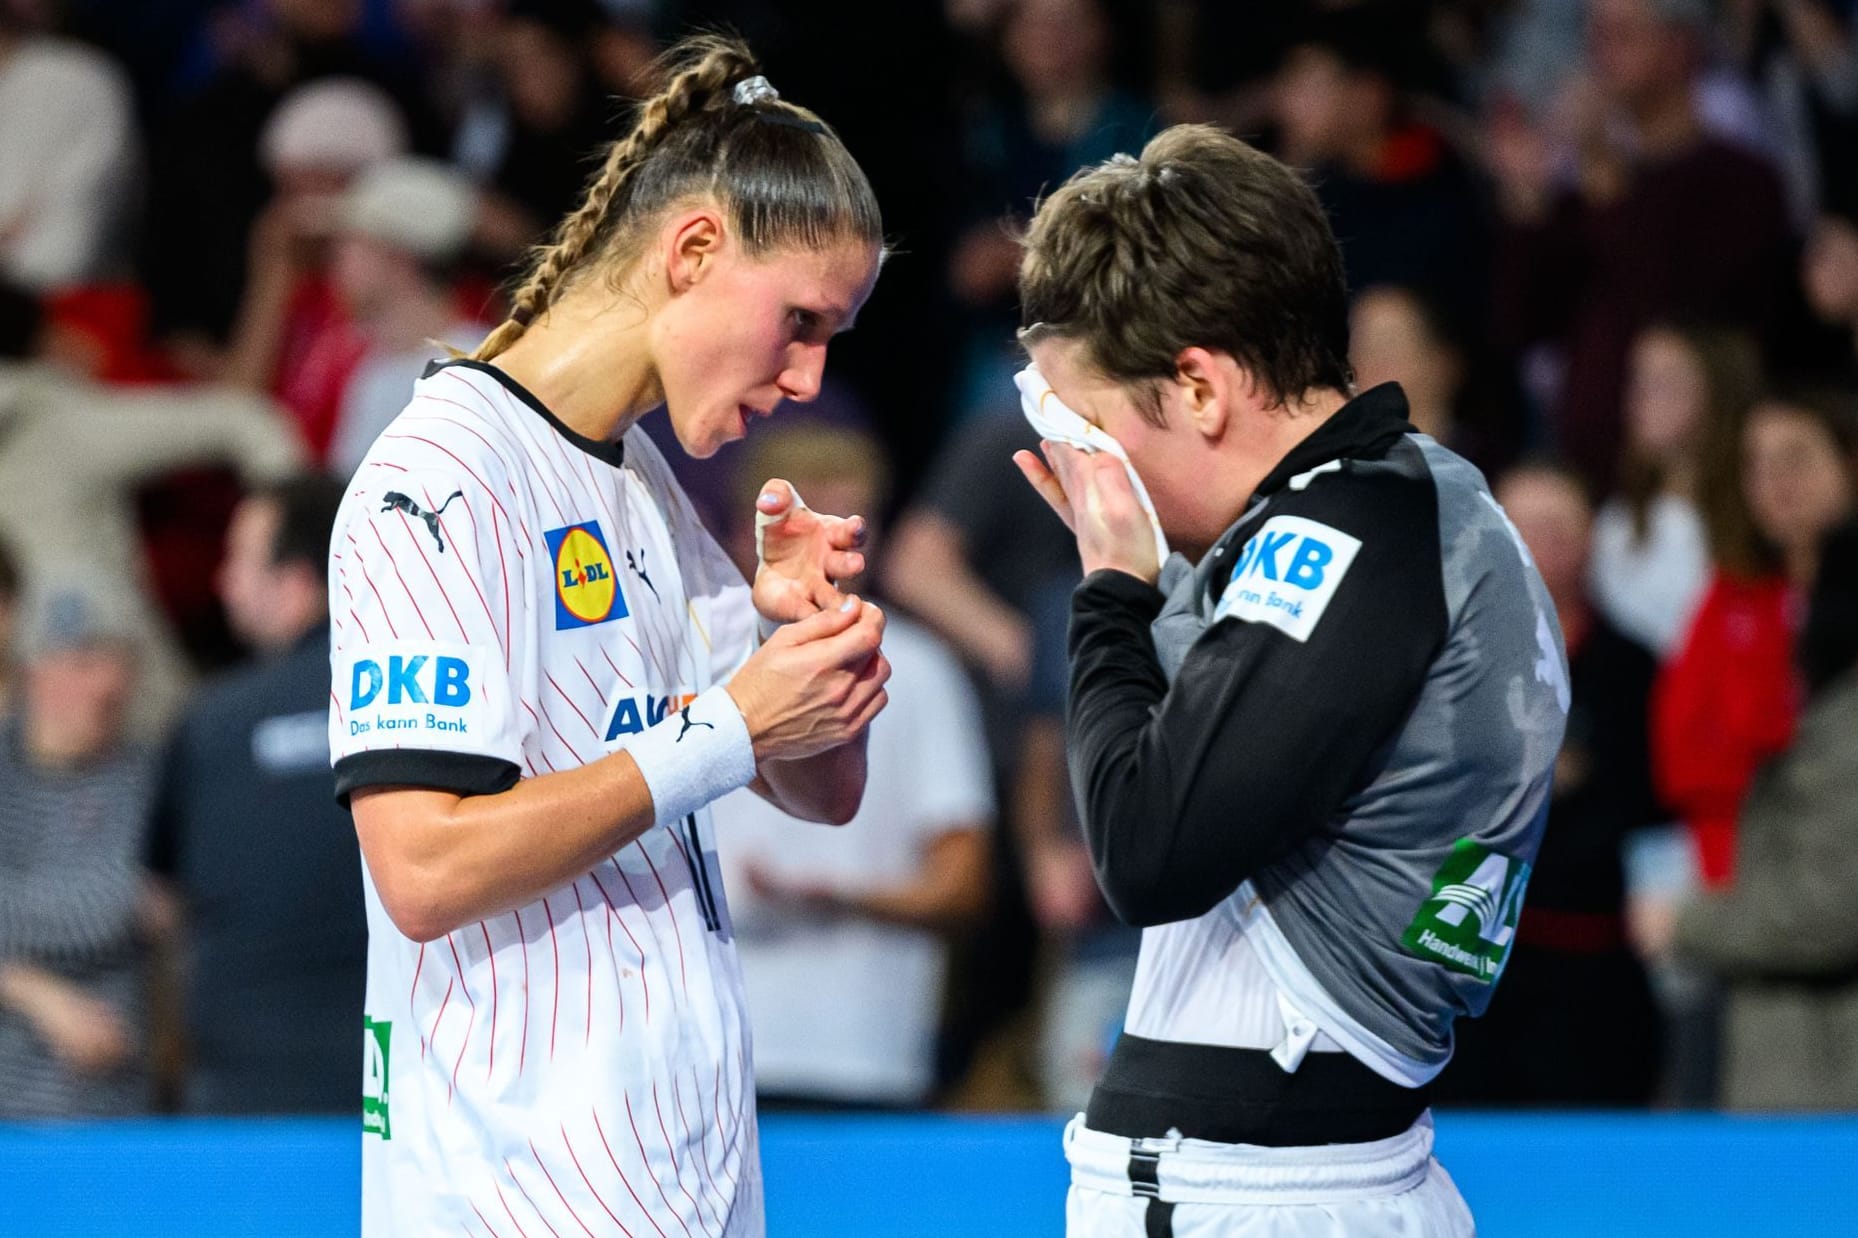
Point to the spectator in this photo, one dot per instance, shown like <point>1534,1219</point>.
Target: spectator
<point>402,228</point>
<point>1688,392</point>
<point>72,455</point>
<point>1727,703</point>
<point>1785,938</point>
<point>210,182</point>
<point>1062,112</point>
<point>1660,221</point>
<point>70,161</point>
<point>74,909</point>
<point>1403,205</point>
<point>295,338</point>
<point>275,923</point>
<point>1401,334</point>
<point>1529,1049</point>
<point>529,143</point>
<point>841,932</point>
<point>1800,55</point>
<point>1829,273</point>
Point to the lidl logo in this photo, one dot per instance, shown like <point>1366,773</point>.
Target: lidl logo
<point>586,591</point>
<point>1286,575</point>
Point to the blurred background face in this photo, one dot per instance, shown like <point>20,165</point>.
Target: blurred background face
<point>247,574</point>
<point>1310,103</point>
<point>1553,517</point>
<point>542,74</point>
<point>1830,270</point>
<point>1797,483</point>
<point>369,276</point>
<point>1666,395</point>
<point>1636,56</point>
<point>1389,340</point>
<point>1057,46</point>
<point>75,698</point>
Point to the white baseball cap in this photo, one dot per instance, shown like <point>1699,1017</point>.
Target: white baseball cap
<point>336,124</point>
<point>419,205</point>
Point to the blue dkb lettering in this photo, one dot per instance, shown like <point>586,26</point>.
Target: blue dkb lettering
<point>452,687</point>
<point>1265,559</point>
<point>358,696</point>
<point>401,684</point>
<point>1306,567</point>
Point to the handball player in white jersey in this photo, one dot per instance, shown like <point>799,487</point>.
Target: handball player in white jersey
<point>544,671</point>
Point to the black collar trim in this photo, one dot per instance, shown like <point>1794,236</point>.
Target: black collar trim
<point>1365,428</point>
<point>609,453</point>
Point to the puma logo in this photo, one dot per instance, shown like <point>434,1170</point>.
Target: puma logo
<point>690,722</point>
<point>639,571</point>
<point>394,499</point>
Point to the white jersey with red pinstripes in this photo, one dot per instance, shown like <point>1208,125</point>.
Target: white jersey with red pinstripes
<point>509,598</point>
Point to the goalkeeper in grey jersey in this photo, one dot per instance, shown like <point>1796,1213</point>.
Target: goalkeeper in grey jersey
<point>1312,746</point>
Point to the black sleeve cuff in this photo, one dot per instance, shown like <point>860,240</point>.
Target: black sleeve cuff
<point>1110,591</point>
<point>461,773</point>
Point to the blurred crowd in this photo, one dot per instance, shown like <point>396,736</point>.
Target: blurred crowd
<point>1608,247</point>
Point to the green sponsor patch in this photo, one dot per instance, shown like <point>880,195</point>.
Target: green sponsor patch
<point>375,1038</point>
<point>1469,920</point>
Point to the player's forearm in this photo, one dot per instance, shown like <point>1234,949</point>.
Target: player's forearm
<point>440,860</point>
<point>827,787</point>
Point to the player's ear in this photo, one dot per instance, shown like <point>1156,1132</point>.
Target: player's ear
<point>1204,386</point>
<point>692,241</point>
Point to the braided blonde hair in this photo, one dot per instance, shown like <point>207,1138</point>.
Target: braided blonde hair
<point>790,181</point>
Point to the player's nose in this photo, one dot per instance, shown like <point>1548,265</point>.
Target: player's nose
<point>806,367</point>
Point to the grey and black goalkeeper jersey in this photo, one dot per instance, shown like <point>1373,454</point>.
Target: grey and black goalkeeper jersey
<point>1334,735</point>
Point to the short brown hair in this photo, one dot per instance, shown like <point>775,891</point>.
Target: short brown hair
<point>1202,241</point>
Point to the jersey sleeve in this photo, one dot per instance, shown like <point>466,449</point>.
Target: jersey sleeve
<point>429,628</point>
<point>1319,646</point>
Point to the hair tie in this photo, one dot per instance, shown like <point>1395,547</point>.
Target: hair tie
<point>522,316</point>
<point>753,90</point>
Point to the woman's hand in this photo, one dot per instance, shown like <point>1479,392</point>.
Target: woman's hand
<point>816,684</point>
<point>1091,493</point>
<point>804,554</point>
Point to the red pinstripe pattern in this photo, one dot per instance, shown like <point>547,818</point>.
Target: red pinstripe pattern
<point>675,930</point>
<point>504,1200</point>
<point>549,722</point>
<point>598,694</point>
<point>703,1162</point>
<point>522,1046</point>
<point>426,496</point>
<point>581,918</point>
<point>591,728</point>
<point>554,1017</point>
<point>490,952</point>
<point>487,1224</point>
<point>411,1014</point>
<point>646,1159</point>
<point>651,926</point>
<point>589,1181</point>
<point>338,707</point>
<point>538,721</point>
<point>643,1210</point>
<point>676,1169</point>
<point>433,1036</point>
<point>525,1190</point>
<point>401,578</point>
<point>420,438</point>
<point>369,581</point>
<point>616,670</point>
<point>612,910</point>
<point>470,1023</point>
<point>558,1195</point>
<point>503,574</point>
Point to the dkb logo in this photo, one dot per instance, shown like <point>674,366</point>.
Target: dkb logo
<point>417,680</point>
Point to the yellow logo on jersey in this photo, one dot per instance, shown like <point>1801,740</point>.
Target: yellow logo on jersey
<point>586,591</point>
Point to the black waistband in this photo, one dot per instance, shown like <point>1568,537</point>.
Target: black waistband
<point>1244,1096</point>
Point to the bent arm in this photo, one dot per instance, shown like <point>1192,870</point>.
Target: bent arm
<point>440,860</point>
<point>826,787</point>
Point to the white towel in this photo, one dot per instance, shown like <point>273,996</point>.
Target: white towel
<point>1054,421</point>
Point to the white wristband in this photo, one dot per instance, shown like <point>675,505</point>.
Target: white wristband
<point>695,756</point>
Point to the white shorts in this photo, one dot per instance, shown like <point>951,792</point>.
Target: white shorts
<point>1189,1188</point>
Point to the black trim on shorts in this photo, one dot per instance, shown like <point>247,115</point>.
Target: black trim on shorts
<point>461,773</point>
<point>1153,1087</point>
<point>609,452</point>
